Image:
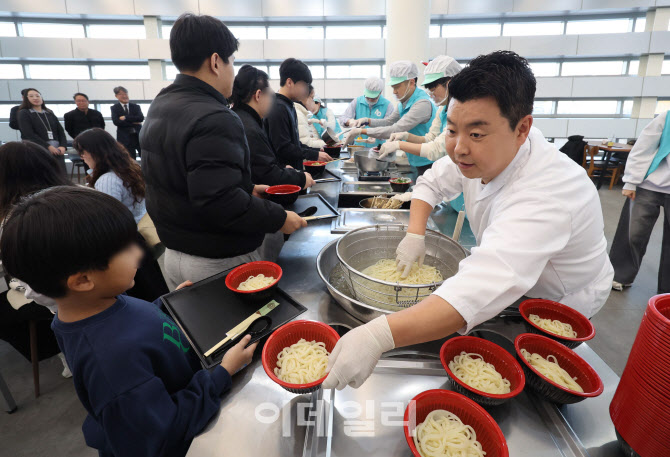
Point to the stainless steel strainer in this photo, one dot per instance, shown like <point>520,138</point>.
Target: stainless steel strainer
<point>363,247</point>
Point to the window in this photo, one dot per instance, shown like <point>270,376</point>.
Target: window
<point>295,33</point>
<point>127,31</point>
<point>543,107</point>
<point>318,71</point>
<point>337,107</point>
<point>274,71</point>
<point>532,28</point>
<point>5,109</point>
<point>602,68</point>
<point>587,107</point>
<point>11,71</point>
<point>627,109</point>
<point>39,29</point>
<point>165,31</point>
<point>347,32</point>
<point>544,68</point>
<point>352,71</point>
<point>598,26</point>
<point>7,29</point>
<point>633,67</point>
<point>665,69</point>
<point>640,24</point>
<point>248,33</point>
<point>170,72</point>
<point>38,71</point>
<point>434,31</point>
<point>60,109</point>
<point>259,67</point>
<point>471,30</point>
<point>121,72</point>
<point>144,107</point>
<point>662,106</point>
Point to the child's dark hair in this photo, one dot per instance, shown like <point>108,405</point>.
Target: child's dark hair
<point>503,75</point>
<point>25,168</point>
<point>63,231</point>
<point>194,39</point>
<point>295,69</point>
<point>248,80</point>
<point>110,155</point>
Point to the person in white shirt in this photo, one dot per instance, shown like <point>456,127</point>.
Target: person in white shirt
<point>534,212</point>
<point>304,109</point>
<point>647,190</point>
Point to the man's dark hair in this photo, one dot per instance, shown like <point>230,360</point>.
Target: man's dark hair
<point>194,39</point>
<point>248,80</point>
<point>118,89</point>
<point>74,97</point>
<point>63,231</point>
<point>503,75</point>
<point>438,82</point>
<point>295,69</point>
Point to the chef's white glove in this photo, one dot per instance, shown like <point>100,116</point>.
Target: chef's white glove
<point>313,120</point>
<point>351,122</point>
<point>323,122</point>
<point>411,249</point>
<point>356,354</point>
<point>360,122</point>
<point>388,148</point>
<point>352,135</point>
<point>399,136</point>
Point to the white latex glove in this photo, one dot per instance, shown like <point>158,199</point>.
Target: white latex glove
<point>351,122</point>
<point>352,135</point>
<point>323,122</point>
<point>356,354</point>
<point>388,148</point>
<point>360,122</point>
<point>411,249</point>
<point>313,120</point>
<point>399,136</point>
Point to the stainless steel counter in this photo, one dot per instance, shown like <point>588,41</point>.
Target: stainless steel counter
<point>259,418</point>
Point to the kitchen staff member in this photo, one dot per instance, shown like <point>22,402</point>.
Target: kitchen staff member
<point>534,212</point>
<point>371,105</point>
<point>415,111</point>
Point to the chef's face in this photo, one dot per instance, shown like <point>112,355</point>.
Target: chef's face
<point>479,139</point>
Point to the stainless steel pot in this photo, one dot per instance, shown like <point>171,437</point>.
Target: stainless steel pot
<point>367,161</point>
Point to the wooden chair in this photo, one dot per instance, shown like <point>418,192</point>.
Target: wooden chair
<point>594,164</point>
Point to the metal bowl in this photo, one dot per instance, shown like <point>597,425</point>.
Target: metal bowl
<point>366,161</point>
<point>329,136</point>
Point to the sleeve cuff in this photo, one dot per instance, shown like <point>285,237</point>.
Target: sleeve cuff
<point>427,196</point>
<point>222,379</point>
<point>629,186</point>
<point>466,313</point>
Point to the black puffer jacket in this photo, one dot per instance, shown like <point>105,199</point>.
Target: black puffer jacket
<point>195,161</point>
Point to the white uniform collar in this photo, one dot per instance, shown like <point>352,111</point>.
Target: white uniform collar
<point>499,181</point>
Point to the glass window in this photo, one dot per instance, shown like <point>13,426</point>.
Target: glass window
<point>318,71</point>
<point>544,68</point>
<point>144,107</point>
<point>11,71</point>
<point>633,67</point>
<point>470,30</point>
<point>60,109</point>
<point>544,107</point>
<point>368,32</point>
<point>121,72</point>
<point>665,69</point>
<point>7,29</point>
<point>295,33</point>
<point>170,71</point>
<point>598,26</point>
<point>5,109</point>
<point>532,28</point>
<point>602,68</point>
<point>127,31</point>
<point>352,71</point>
<point>44,29</point>
<point>247,33</point>
<point>165,31</point>
<point>587,107</point>
<point>627,107</point>
<point>38,71</point>
<point>434,31</point>
<point>662,106</point>
<point>640,24</point>
<point>337,107</point>
<point>274,71</point>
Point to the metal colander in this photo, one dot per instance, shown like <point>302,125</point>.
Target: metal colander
<point>363,247</point>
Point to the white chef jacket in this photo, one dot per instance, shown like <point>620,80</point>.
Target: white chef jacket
<point>640,158</point>
<point>539,231</point>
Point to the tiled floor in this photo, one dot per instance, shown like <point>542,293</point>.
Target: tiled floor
<point>51,424</point>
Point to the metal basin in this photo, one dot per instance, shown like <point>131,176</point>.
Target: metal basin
<point>366,160</point>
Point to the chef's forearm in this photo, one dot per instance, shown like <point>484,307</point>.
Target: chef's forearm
<point>418,216</point>
<point>416,139</point>
<point>410,148</point>
<point>431,319</point>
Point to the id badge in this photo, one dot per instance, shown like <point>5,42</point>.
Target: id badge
<point>50,134</point>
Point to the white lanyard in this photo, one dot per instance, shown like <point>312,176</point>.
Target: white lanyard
<point>47,126</point>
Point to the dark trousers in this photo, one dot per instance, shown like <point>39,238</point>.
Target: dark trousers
<point>133,146</point>
<point>632,236</point>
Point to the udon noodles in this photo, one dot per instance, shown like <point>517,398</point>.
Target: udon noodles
<point>256,282</point>
<point>553,326</point>
<point>381,202</point>
<point>443,434</point>
<point>386,270</point>
<point>473,370</point>
<point>302,362</point>
<point>550,369</point>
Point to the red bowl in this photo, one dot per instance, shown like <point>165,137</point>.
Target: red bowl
<point>283,194</point>
<point>659,308</point>
<point>548,309</point>
<point>242,273</point>
<point>488,432</point>
<point>334,150</point>
<point>314,168</point>
<point>503,361</point>
<point>568,359</point>
<point>289,334</point>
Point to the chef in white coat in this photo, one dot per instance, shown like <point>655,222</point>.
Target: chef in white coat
<point>534,212</point>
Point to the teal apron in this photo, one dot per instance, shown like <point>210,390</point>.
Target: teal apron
<point>421,129</point>
<point>323,114</point>
<point>377,111</point>
<point>663,147</point>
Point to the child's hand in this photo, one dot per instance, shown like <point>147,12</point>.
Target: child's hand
<point>184,284</point>
<point>238,357</point>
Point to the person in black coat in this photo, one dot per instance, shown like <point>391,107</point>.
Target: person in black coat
<point>195,160</point>
<point>14,114</point>
<point>281,124</point>
<point>41,126</point>
<point>128,118</point>
<point>82,118</point>
<point>252,99</point>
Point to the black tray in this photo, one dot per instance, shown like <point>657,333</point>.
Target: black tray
<point>324,210</point>
<point>208,309</point>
